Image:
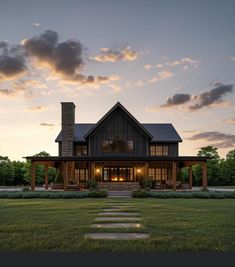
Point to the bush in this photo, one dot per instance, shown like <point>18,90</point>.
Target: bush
<point>140,193</point>
<point>98,194</point>
<point>26,189</point>
<point>148,184</point>
<point>92,184</point>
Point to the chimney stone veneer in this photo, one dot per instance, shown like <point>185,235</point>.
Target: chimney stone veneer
<point>68,122</point>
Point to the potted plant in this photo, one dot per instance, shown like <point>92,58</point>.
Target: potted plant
<point>148,184</point>
<point>91,185</point>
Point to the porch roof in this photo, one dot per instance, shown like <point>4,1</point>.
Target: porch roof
<point>118,158</point>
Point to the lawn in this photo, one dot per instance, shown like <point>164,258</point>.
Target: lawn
<point>173,224</point>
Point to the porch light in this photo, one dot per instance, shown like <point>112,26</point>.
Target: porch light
<point>138,170</point>
<point>97,170</point>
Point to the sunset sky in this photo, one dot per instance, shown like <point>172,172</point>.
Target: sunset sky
<point>165,61</point>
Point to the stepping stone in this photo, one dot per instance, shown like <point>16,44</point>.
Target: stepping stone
<point>117,236</point>
<point>116,225</point>
<point>113,219</point>
<point>111,210</point>
<point>119,214</point>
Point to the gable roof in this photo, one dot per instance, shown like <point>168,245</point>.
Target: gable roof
<point>161,132</point>
<point>132,118</point>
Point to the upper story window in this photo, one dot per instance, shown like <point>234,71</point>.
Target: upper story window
<point>156,150</point>
<point>80,150</point>
<point>117,145</point>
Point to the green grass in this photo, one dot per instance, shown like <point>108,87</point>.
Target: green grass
<point>173,224</point>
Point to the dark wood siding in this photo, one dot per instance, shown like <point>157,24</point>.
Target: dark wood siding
<point>172,148</point>
<point>118,124</point>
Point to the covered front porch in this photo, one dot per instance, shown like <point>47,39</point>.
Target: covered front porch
<point>121,173</point>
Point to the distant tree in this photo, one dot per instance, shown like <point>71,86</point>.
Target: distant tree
<point>227,169</point>
<point>6,171</point>
<point>212,166</point>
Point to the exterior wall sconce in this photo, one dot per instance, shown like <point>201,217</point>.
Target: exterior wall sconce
<point>97,170</point>
<point>138,170</point>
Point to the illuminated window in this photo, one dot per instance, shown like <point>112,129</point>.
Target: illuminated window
<point>164,174</point>
<point>158,174</point>
<point>165,150</point>
<point>158,150</point>
<point>152,151</point>
<point>152,173</point>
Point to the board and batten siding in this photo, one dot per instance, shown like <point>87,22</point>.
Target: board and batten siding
<point>118,124</point>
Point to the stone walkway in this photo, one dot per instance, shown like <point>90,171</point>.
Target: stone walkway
<point>118,214</point>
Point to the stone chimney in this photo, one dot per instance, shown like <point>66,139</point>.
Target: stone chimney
<point>68,122</point>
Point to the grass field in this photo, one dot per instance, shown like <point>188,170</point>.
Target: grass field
<point>173,224</point>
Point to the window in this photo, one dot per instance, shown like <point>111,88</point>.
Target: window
<point>152,173</point>
<point>152,151</point>
<point>164,174</point>
<point>165,150</point>
<point>117,145</point>
<point>80,150</point>
<point>156,150</point>
<point>81,175</point>
<point>158,174</point>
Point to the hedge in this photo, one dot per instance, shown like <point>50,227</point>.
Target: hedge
<point>53,195</point>
<point>211,195</point>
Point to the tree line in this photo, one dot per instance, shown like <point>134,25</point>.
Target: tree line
<point>219,171</point>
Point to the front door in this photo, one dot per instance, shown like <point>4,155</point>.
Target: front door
<point>117,174</point>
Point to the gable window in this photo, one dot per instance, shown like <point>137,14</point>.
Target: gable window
<point>80,150</point>
<point>156,150</point>
<point>117,145</point>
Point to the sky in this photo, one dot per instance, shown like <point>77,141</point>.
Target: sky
<point>165,61</point>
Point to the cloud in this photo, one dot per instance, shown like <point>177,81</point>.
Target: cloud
<point>3,44</point>
<point>115,87</point>
<point>11,66</point>
<point>185,62</point>
<point>148,66</point>
<point>37,109</point>
<point>160,76</point>
<point>218,139</point>
<point>232,58</point>
<point>210,98</point>
<point>36,24</point>
<point>111,55</point>
<point>229,120</point>
<point>177,99</point>
<point>45,124</point>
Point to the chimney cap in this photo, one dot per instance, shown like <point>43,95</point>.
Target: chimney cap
<point>67,103</point>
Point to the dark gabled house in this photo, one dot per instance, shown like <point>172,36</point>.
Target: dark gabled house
<point>118,152</point>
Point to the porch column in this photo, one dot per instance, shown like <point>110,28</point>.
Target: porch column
<point>190,177</point>
<point>46,176</point>
<point>204,175</point>
<point>146,170</point>
<point>92,170</point>
<point>174,175</point>
<point>66,174</point>
<point>32,176</point>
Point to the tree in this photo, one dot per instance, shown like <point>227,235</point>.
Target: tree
<point>227,169</point>
<point>6,171</point>
<point>212,166</point>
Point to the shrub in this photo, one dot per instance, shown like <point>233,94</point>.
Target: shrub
<point>148,184</point>
<point>26,189</point>
<point>98,194</point>
<point>92,184</point>
<point>140,193</point>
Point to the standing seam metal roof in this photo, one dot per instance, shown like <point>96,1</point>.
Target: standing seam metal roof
<point>161,132</point>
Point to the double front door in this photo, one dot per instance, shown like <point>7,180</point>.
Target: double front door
<point>117,174</point>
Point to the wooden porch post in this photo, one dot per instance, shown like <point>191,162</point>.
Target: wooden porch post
<point>204,176</point>
<point>174,176</point>
<point>32,176</point>
<point>92,170</point>
<point>190,177</point>
<point>146,170</point>
<point>66,175</point>
<point>46,176</point>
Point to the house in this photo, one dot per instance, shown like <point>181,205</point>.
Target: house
<point>118,152</point>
